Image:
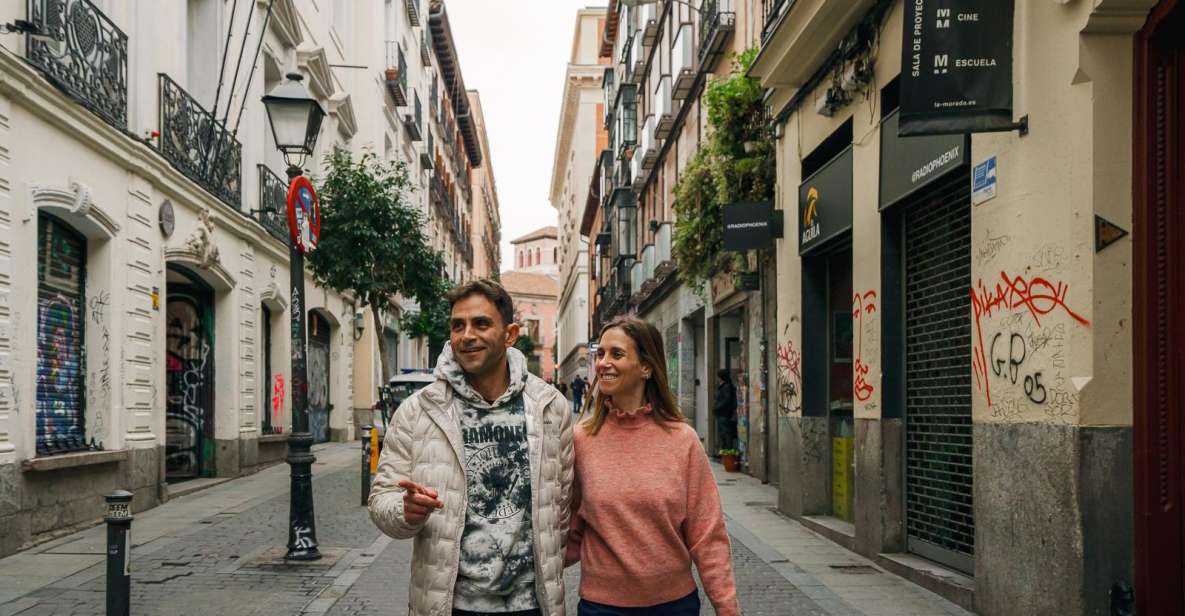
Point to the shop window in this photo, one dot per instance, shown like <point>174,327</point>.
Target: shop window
<point>61,356</point>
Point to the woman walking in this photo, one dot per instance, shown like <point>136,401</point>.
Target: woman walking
<point>646,504</point>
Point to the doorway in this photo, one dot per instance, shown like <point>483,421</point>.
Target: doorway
<point>319,406</point>
<point>189,376</point>
<point>1159,288</point>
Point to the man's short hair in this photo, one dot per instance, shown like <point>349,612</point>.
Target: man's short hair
<point>490,289</point>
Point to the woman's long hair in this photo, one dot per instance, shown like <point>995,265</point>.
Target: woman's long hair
<point>665,409</point>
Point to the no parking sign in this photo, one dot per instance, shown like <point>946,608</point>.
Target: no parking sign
<point>304,214</point>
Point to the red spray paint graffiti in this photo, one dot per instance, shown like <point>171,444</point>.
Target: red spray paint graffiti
<point>277,402</point>
<point>790,375</point>
<point>861,305</point>
<point>1038,295</point>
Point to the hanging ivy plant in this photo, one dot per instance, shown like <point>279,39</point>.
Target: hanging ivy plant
<point>735,162</point>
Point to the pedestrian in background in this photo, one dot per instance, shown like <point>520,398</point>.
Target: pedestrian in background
<point>646,505</point>
<point>477,468</point>
<point>725,410</point>
<point>578,387</point>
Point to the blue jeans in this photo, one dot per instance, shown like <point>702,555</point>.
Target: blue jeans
<point>687,606</point>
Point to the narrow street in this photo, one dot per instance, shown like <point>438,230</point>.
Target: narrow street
<point>208,553</point>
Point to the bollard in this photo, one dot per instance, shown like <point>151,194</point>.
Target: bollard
<point>367,430</point>
<point>119,556</point>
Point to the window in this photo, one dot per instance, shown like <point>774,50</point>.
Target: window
<point>538,256</point>
<point>61,358</point>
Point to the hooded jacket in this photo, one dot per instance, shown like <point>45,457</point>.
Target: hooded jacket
<point>424,444</point>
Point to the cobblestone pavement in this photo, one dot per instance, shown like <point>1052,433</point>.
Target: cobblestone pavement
<point>222,563</point>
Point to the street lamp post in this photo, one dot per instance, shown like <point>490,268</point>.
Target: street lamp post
<point>295,119</point>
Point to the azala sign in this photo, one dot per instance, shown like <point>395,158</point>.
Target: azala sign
<point>825,203</point>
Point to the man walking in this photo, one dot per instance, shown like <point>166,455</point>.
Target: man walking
<point>578,386</point>
<point>477,469</point>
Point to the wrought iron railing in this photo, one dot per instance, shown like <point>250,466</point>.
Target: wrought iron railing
<point>425,48</point>
<point>397,82</point>
<point>773,11</point>
<point>89,58</point>
<point>273,204</point>
<point>717,20</point>
<point>198,145</point>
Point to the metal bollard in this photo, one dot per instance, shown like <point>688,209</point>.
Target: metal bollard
<point>119,557</point>
<point>366,476</point>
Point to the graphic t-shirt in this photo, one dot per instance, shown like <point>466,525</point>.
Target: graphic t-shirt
<point>496,572</point>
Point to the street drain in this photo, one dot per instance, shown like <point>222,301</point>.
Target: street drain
<point>759,504</point>
<point>854,569</point>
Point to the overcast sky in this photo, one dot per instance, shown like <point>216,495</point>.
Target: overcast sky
<point>515,53</point>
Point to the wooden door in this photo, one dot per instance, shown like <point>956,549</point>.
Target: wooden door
<point>1159,289</point>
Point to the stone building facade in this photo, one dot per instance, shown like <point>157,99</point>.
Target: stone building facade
<point>955,374</point>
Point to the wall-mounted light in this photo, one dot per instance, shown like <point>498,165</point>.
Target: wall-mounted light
<point>359,325</point>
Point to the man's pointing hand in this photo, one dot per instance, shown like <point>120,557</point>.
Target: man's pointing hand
<point>418,502</point>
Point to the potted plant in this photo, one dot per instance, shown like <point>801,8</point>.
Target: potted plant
<point>730,459</point>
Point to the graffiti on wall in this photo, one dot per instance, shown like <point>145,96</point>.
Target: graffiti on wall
<point>59,373</point>
<point>789,376</point>
<point>277,403</point>
<point>1026,354</point>
<point>188,376</point>
<point>864,322</point>
<point>318,388</point>
<point>100,381</point>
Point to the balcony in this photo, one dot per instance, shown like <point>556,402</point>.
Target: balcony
<point>649,146</point>
<point>426,156</point>
<point>663,107</point>
<point>413,121</point>
<point>396,74</point>
<point>194,142</point>
<point>626,120</point>
<point>90,63</point>
<point>413,12</point>
<point>439,196</point>
<point>639,55</point>
<point>425,49</point>
<point>718,19</point>
<point>683,59</point>
<point>626,72</point>
<point>663,258</point>
<point>273,204</point>
<point>637,275</point>
<point>773,10</point>
<point>649,24</point>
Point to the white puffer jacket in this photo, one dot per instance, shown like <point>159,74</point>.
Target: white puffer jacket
<point>424,444</point>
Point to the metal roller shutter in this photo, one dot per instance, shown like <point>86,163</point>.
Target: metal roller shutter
<point>318,371</point>
<point>940,521</point>
<point>61,360</point>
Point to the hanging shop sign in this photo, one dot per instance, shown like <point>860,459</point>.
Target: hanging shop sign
<point>909,164</point>
<point>825,203</point>
<point>748,225</point>
<point>304,214</point>
<point>956,59</point>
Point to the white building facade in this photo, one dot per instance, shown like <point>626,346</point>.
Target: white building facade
<point>575,156</point>
<point>144,286</point>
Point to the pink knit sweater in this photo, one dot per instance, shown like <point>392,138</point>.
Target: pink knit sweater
<point>646,508</point>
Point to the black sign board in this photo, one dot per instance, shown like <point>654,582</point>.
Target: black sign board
<point>748,225</point>
<point>910,163</point>
<point>825,203</point>
<point>956,67</point>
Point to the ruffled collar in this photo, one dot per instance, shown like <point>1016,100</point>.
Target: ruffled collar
<point>639,412</point>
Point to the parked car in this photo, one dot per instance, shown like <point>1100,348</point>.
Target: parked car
<point>399,388</point>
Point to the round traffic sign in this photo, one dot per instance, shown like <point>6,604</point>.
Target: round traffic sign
<point>304,214</point>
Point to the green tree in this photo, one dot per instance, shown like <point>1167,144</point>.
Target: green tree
<point>734,163</point>
<point>373,243</point>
